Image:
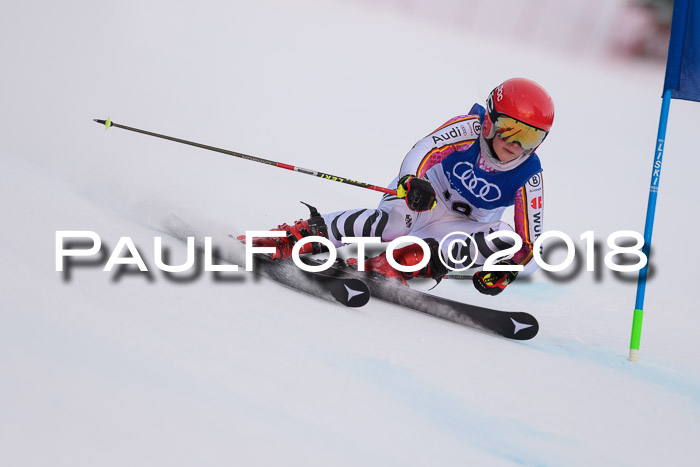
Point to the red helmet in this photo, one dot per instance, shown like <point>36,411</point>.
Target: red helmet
<point>522,100</point>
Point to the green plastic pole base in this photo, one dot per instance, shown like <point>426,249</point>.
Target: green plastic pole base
<point>636,335</point>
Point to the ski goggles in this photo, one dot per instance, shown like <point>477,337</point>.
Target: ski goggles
<point>515,131</point>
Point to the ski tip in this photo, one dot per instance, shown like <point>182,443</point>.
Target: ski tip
<point>358,294</point>
<point>107,123</point>
<point>525,326</point>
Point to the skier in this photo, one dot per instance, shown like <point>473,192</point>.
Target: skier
<point>459,178</point>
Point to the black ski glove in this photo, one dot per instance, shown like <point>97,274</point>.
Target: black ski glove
<point>494,282</point>
<point>419,193</point>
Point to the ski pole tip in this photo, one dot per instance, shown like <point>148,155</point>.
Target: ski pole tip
<point>107,123</point>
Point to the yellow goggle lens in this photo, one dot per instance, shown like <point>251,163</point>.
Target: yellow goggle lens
<point>514,131</point>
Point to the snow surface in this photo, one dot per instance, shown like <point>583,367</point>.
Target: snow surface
<point>136,369</point>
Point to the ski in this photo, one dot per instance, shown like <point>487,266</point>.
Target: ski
<point>346,290</point>
<point>515,325</point>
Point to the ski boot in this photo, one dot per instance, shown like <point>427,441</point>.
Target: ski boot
<point>314,226</point>
<point>407,256</point>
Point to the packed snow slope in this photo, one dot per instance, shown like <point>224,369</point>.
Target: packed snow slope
<point>116,369</point>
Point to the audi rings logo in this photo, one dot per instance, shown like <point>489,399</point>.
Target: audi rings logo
<point>478,187</point>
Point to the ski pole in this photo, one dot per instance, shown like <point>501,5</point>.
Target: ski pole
<point>109,123</point>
